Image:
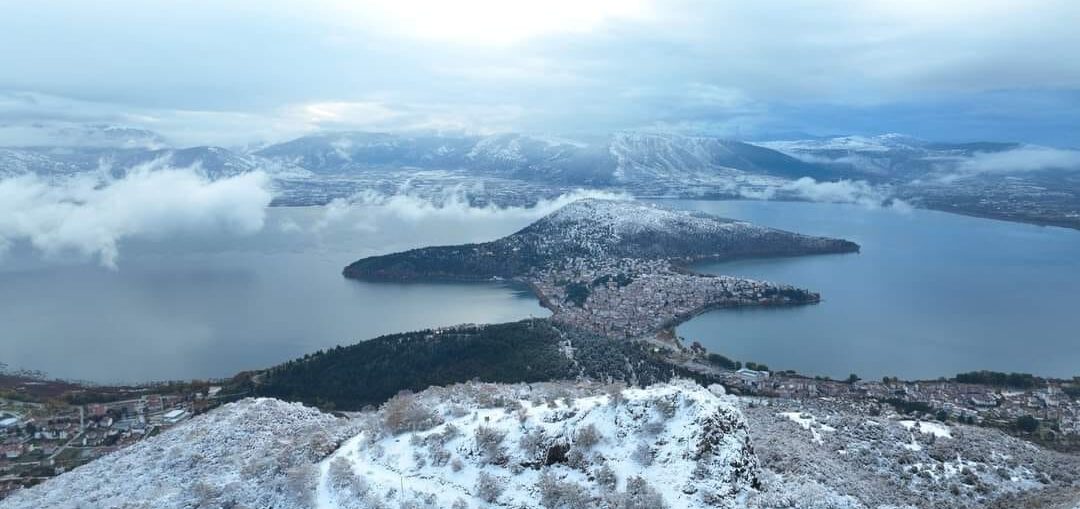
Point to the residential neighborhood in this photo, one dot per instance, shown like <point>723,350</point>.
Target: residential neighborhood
<point>39,440</point>
<point>1047,411</point>
<point>630,297</point>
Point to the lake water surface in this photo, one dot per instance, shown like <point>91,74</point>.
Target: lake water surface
<point>210,307</point>
<point>931,294</point>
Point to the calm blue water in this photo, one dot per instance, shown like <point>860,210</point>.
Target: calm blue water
<point>931,294</point>
<point>211,307</point>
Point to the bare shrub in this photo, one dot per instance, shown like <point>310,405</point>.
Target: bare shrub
<point>587,436</point>
<point>605,477</point>
<point>640,495</point>
<point>615,394</point>
<point>556,494</point>
<point>653,427</point>
<point>403,413</point>
<point>576,459</point>
<point>531,443</point>
<point>488,487</point>
<point>489,441</point>
<point>342,478</point>
<point>666,405</point>
<point>643,454</point>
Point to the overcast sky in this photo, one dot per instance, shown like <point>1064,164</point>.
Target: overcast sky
<point>235,72</point>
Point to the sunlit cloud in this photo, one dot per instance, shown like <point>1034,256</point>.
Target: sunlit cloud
<point>266,71</point>
<point>1023,159</point>
<point>90,215</point>
<point>371,211</point>
<point>857,192</point>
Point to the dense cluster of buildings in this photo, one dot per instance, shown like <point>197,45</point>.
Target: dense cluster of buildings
<point>625,298</point>
<point>38,440</point>
<point>1049,404</point>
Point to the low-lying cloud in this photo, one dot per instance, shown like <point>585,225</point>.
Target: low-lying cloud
<point>412,219</point>
<point>452,203</point>
<point>1023,159</point>
<point>89,215</point>
<point>858,192</point>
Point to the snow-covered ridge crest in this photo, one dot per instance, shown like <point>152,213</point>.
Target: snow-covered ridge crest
<point>625,216</point>
<point>253,453</point>
<point>557,444</point>
<point>598,229</point>
<point>547,445</point>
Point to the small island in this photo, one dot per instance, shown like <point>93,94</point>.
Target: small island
<point>615,268</point>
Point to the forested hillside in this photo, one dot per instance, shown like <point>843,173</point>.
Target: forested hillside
<point>371,372</point>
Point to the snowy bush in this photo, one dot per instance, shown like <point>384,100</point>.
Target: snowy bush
<point>586,437</point>
<point>532,444</point>
<point>403,413</point>
<point>666,405</point>
<point>643,454</point>
<point>556,494</point>
<point>605,477</point>
<point>489,442</point>
<point>640,495</point>
<point>488,487</point>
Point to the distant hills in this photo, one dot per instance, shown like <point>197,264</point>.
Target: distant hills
<point>518,168</point>
<point>884,158</point>
<point>622,158</point>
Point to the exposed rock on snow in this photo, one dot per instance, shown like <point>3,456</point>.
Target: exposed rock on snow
<point>934,428</point>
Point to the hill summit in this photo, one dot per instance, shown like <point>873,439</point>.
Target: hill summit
<point>597,229</point>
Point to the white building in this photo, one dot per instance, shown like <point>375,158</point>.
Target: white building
<point>174,416</point>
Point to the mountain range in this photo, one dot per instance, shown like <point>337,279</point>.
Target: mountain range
<point>520,168</point>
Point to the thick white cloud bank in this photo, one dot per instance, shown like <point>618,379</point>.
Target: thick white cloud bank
<point>371,211</point>
<point>858,192</point>
<point>1023,159</point>
<point>90,215</point>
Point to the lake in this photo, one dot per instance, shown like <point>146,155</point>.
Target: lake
<point>209,307</point>
<point>931,294</point>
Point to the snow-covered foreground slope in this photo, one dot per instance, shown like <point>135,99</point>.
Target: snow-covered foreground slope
<point>250,454</point>
<point>823,453</point>
<point>671,445</point>
<point>471,445</point>
<point>568,445</point>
